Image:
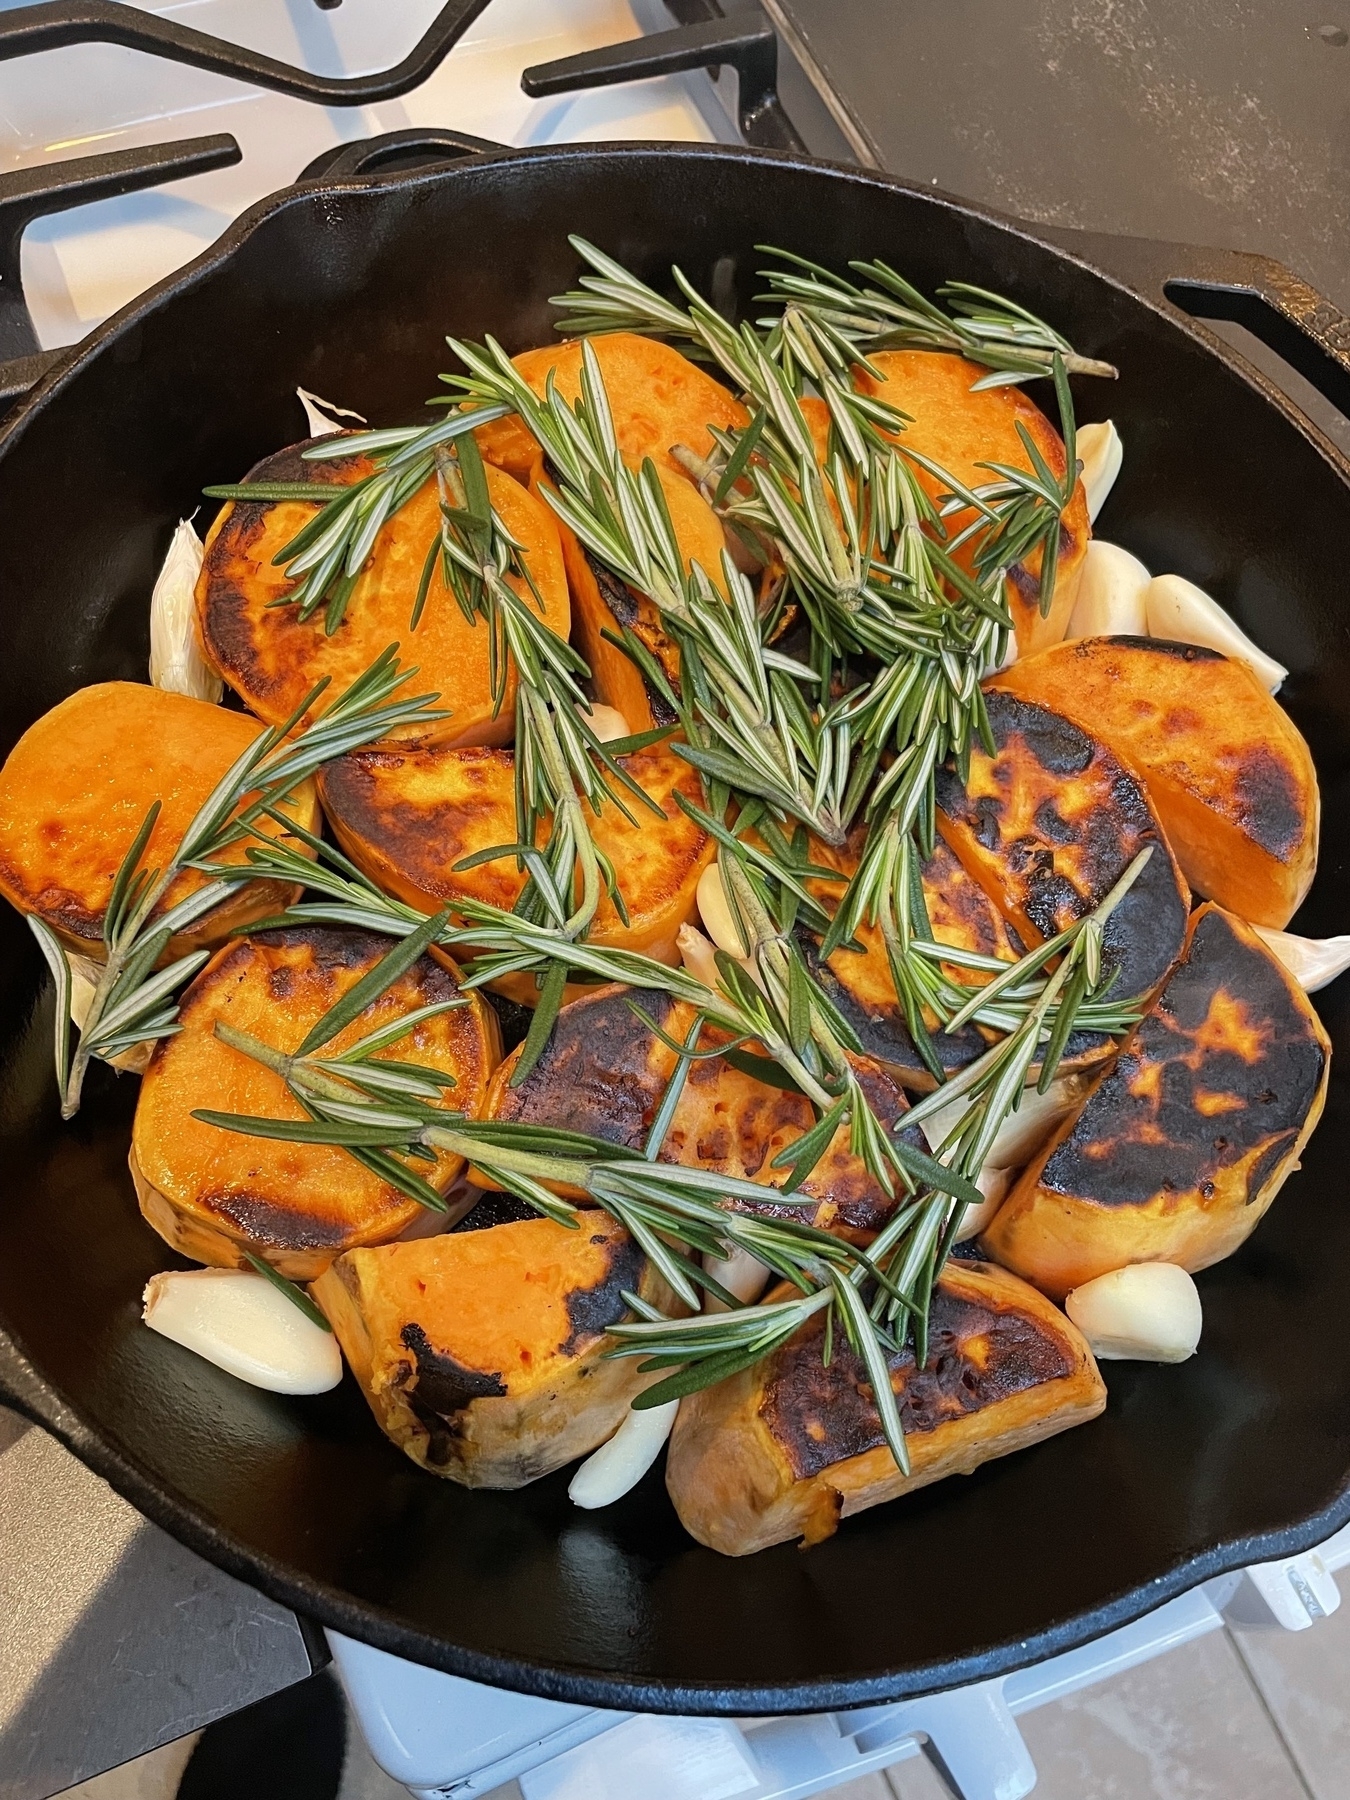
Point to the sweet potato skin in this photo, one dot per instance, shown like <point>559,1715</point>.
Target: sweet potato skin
<point>962,431</point>
<point>212,1193</point>
<point>272,658</point>
<point>1049,824</point>
<point>788,1447</point>
<point>604,1072</point>
<point>77,786</point>
<point>481,1352</point>
<point>407,817</point>
<point>1225,766</point>
<point>1179,1150</point>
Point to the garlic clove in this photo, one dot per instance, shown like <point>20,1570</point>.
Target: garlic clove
<point>245,1325</point>
<point>1146,1312</point>
<point>740,1274</point>
<point>994,1185</point>
<point>697,955</point>
<point>1023,1132</point>
<point>1110,599</point>
<point>1313,962</point>
<point>1179,610</point>
<point>609,1472</point>
<point>176,661</point>
<point>85,975</point>
<point>715,910</point>
<point>321,415</point>
<point>1101,454</point>
<point>606,722</point>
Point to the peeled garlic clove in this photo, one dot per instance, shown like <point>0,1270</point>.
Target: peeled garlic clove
<point>321,415</point>
<point>1179,610</point>
<point>994,1185</point>
<point>697,955</point>
<point>606,722</point>
<point>246,1326</point>
<point>1101,453</point>
<point>715,910</point>
<point>85,974</point>
<point>1023,1132</point>
<point>609,1472</point>
<point>176,661</point>
<point>1110,599</point>
<point>1313,962</point>
<point>740,1274</point>
<point>1147,1312</point>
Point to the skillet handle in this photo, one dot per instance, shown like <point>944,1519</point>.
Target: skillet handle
<point>396,152</point>
<point>1288,315</point>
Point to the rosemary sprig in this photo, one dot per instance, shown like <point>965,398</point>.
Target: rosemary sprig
<point>133,998</point>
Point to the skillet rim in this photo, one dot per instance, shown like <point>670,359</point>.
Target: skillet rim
<point>22,1385</point>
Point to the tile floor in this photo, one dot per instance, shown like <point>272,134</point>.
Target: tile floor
<point>1238,1715</point>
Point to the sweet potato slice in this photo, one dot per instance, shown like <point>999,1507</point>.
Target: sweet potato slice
<point>272,658</point>
<point>657,396</point>
<point>1179,1150</point>
<point>1225,766</point>
<point>789,1446</point>
<point>77,786</point>
<point>961,431</point>
<point>408,816</point>
<point>213,1194</point>
<point>604,1072</point>
<point>1049,824</point>
<point>481,1352</point>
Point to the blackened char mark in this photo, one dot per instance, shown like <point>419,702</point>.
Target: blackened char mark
<point>1057,745</point>
<point>1224,1065</point>
<point>978,1355</point>
<point>601,1072</point>
<point>441,1384</point>
<point>880,1025</point>
<point>591,1311</point>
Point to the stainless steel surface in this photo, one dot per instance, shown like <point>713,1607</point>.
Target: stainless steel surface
<point>114,1638</point>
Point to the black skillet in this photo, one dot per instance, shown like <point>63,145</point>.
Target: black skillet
<point>348,286</point>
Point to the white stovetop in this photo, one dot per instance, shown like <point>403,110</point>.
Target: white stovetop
<point>78,267</point>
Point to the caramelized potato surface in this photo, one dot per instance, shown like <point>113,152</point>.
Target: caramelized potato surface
<point>1049,824</point>
<point>604,1072</point>
<point>787,1448</point>
<point>963,432</point>
<point>408,816</point>
<point>212,1194</point>
<point>272,658</point>
<point>77,786</point>
<point>657,396</point>
<point>1178,1150</point>
<point>480,1352</point>
<point>1225,766</point>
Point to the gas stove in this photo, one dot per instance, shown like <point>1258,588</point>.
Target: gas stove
<point>130,138</point>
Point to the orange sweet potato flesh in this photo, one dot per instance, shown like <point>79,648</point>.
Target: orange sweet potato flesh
<point>657,396</point>
<point>604,1072</point>
<point>77,786</point>
<point>211,1193</point>
<point>481,1353</point>
<point>1049,824</point>
<point>1178,1151</point>
<point>1225,766</point>
<point>788,1447</point>
<point>272,658</point>
<point>408,816</point>
<point>960,430</point>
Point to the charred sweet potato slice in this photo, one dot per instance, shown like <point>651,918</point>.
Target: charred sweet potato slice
<point>604,607</point>
<point>789,1447</point>
<point>1178,1151</point>
<point>962,431</point>
<point>481,1352</point>
<point>77,786</point>
<point>213,1194</point>
<point>1049,824</point>
<point>272,658</point>
<point>860,983</point>
<point>408,816</point>
<point>604,1072</point>
<point>658,398</point>
<point>1225,766</point>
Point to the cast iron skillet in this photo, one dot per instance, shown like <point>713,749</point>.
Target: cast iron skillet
<point>1243,1453</point>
